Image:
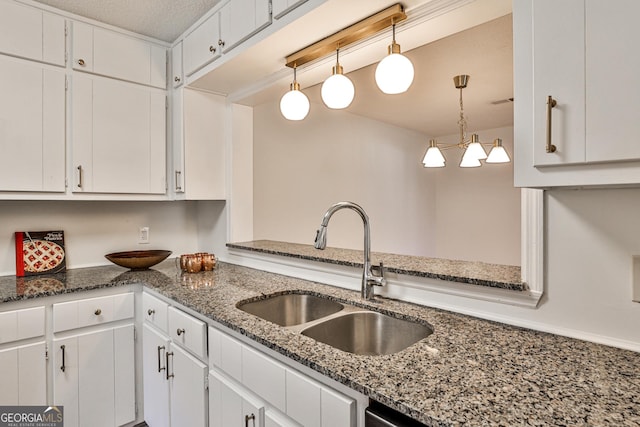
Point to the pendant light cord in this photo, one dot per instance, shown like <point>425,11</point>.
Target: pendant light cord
<point>462,123</point>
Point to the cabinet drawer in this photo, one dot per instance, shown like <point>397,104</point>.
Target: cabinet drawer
<point>21,324</point>
<point>264,377</point>
<point>92,311</point>
<point>154,311</point>
<point>225,353</point>
<point>188,331</point>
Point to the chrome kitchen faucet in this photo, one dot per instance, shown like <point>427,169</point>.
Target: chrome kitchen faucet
<point>369,280</point>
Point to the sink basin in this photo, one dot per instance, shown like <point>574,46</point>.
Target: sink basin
<point>368,333</point>
<point>291,309</point>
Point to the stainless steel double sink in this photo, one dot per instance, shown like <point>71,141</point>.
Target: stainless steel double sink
<point>343,326</point>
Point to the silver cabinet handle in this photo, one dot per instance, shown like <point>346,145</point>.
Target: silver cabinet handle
<point>550,104</point>
<point>166,361</point>
<point>221,43</point>
<point>176,79</point>
<point>63,367</point>
<point>180,331</point>
<point>79,176</point>
<point>248,418</point>
<point>81,62</point>
<point>212,49</point>
<point>150,311</point>
<point>178,186</point>
<point>160,347</point>
<point>98,312</point>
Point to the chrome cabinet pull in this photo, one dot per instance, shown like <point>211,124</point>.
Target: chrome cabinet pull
<point>180,331</point>
<point>178,186</point>
<point>160,369</point>
<point>221,43</point>
<point>79,176</point>
<point>150,311</point>
<point>248,418</point>
<point>63,367</point>
<point>550,104</point>
<point>176,79</point>
<point>212,49</point>
<point>98,312</point>
<point>166,361</point>
<point>81,62</point>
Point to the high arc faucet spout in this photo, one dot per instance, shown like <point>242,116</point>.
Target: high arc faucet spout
<point>368,278</point>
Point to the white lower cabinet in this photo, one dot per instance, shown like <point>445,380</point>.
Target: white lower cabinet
<point>290,397</point>
<point>174,381</point>
<point>94,377</point>
<point>230,405</point>
<point>23,371</point>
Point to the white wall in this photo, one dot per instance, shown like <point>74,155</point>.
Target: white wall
<point>302,168</point>
<point>93,229</point>
<point>477,209</point>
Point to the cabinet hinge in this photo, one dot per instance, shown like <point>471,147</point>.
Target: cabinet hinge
<point>166,102</point>
<point>46,353</point>
<point>66,30</point>
<point>270,8</point>
<point>66,83</point>
<point>206,382</point>
<point>135,334</point>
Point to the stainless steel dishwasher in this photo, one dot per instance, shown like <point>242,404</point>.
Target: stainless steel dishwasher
<point>379,415</point>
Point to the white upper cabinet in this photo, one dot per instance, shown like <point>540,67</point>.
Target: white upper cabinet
<point>200,47</point>
<point>30,33</point>
<point>240,19</point>
<point>282,7</point>
<point>32,127</point>
<point>108,53</point>
<point>232,24</point>
<point>118,137</point>
<point>578,53</point>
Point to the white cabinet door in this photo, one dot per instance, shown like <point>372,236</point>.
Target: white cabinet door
<point>337,409</point>
<point>201,45</point>
<point>112,54</point>
<point>204,121</point>
<point>264,376</point>
<point>30,33</point>
<point>282,7</point>
<point>240,19</point>
<point>230,405</point>
<point>187,378</point>
<point>156,386</point>
<point>558,52</point>
<point>303,399</point>
<point>613,88</point>
<point>24,375</point>
<point>32,127</point>
<point>176,65</point>
<point>94,377</point>
<point>118,137</point>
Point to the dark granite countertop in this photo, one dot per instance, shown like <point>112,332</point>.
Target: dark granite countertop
<point>469,372</point>
<point>475,273</point>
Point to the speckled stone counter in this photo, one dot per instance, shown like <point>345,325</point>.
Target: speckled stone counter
<point>475,273</point>
<point>469,372</point>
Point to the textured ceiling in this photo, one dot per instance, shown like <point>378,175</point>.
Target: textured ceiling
<point>160,19</point>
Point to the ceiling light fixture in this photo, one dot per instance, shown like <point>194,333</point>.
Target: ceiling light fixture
<point>394,74</point>
<point>294,105</point>
<point>473,148</point>
<point>337,90</point>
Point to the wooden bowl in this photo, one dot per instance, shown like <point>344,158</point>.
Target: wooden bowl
<point>138,260</point>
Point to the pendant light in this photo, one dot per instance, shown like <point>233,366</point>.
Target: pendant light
<point>294,105</point>
<point>498,154</point>
<point>433,158</point>
<point>337,90</point>
<point>394,74</point>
